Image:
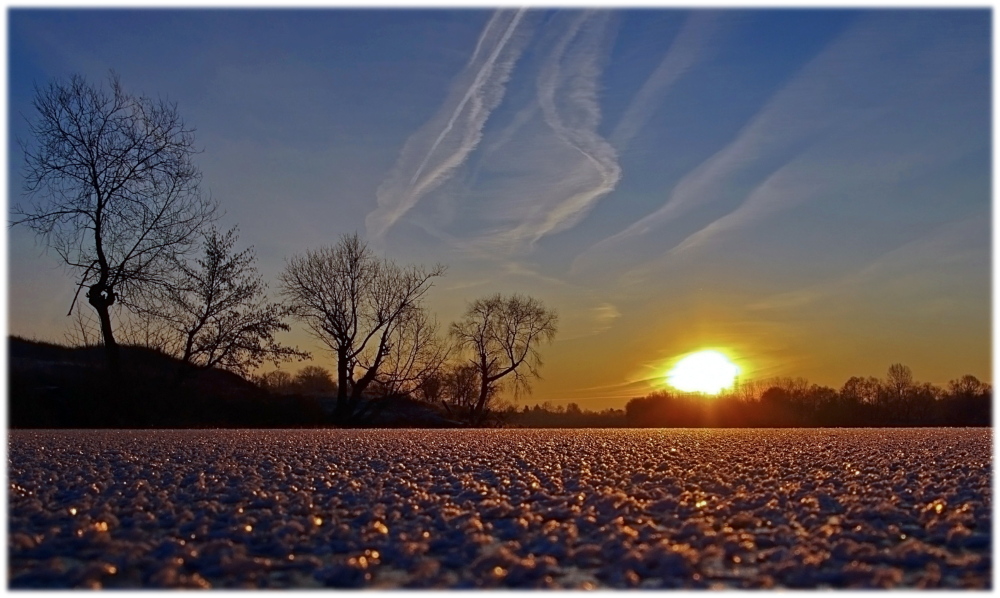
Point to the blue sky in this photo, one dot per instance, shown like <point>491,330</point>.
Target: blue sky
<point>807,189</point>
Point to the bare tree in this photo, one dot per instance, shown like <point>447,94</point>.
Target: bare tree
<point>501,337</point>
<point>217,309</point>
<point>416,353</point>
<point>358,305</point>
<point>899,379</point>
<point>113,190</point>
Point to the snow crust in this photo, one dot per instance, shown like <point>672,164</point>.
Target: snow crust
<point>873,508</point>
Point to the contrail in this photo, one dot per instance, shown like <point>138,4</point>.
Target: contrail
<point>473,90</point>
<point>465,121</point>
<point>576,125</point>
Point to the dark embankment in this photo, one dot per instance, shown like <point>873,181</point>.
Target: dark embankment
<point>54,386</point>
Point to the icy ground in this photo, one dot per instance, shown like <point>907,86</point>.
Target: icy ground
<point>506,508</point>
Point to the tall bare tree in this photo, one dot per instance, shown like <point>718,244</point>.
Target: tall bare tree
<point>217,310</point>
<point>500,335</point>
<point>360,306</point>
<point>113,189</point>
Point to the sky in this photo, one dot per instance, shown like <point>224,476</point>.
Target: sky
<point>807,191</point>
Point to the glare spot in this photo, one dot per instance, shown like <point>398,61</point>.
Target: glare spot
<point>708,372</point>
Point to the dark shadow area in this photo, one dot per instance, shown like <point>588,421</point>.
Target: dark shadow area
<point>53,386</point>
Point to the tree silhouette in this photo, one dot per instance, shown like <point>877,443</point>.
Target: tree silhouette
<point>899,379</point>
<point>461,386</point>
<point>314,379</point>
<point>500,335</point>
<point>416,354</point>
<point>113,190</point>
<point>217,310</point>
<point>968,386</point>
<point>362,308</point>
<point>277,381</point>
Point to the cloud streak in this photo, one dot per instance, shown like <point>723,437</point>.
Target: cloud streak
<point>795,149</point>
<point>567,96</point>
<point>432,154</point>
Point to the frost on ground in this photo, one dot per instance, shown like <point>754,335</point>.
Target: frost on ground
<point>500,508</point>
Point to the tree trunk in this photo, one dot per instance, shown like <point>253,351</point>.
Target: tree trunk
<point>343,383</point>
<point>101,299</point>
<point>484,392</point>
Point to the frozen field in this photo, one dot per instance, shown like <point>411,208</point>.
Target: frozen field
<point>506,508</point>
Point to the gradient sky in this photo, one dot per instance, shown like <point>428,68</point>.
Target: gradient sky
<point>807,190</point>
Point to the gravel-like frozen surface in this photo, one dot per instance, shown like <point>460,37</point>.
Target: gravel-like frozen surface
<point>500,508</point>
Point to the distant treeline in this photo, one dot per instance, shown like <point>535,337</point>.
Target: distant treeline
<point>897,400</point>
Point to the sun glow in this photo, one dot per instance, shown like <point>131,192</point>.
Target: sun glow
<point>707,371</point>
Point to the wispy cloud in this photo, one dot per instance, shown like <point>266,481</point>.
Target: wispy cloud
<point>432,154</point>
<point>795,148</point>
<point>588,321</point>
<point>567,96</point>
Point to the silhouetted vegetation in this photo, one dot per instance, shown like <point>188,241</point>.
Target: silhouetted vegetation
<point>898,400</point>
<point>212,312</point>
<point>500,337</point>
<point>571,415</point>
<point>113,191</point>
<point>368,311</point>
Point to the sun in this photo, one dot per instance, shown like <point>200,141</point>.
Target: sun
<point>706,371</point>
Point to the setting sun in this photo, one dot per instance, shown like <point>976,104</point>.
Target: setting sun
<point>705,371</point>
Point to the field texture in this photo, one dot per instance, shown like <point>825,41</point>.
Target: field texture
<point>506,508</point>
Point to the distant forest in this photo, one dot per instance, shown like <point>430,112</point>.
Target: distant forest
<point>897,400</point>
<point>54,386</point>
